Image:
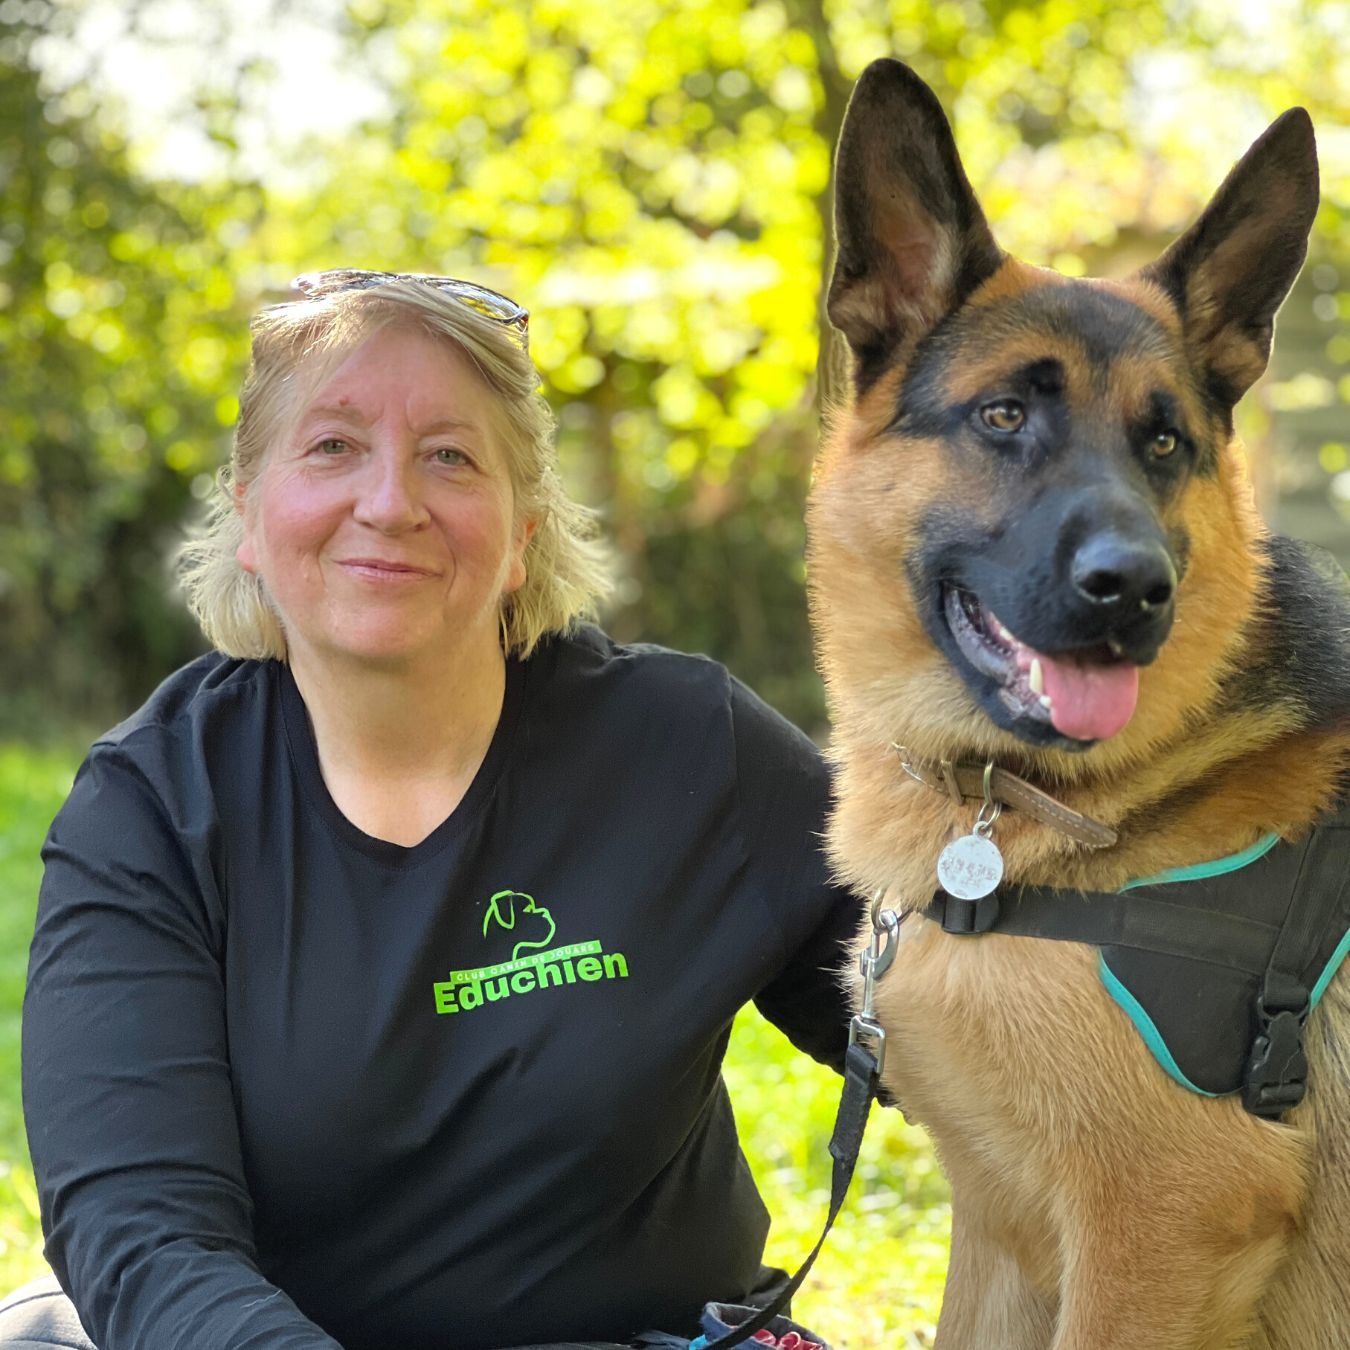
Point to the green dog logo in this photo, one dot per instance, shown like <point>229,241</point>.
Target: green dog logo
<point>507,907</point>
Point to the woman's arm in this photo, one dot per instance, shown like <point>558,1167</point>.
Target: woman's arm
<point>783,795</point>
<point>127,1091</point>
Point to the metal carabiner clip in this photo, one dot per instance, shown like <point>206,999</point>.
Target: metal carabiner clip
<point>873,962</point>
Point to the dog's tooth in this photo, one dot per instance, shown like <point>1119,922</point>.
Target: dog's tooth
<point>1005,634</point>
<point>1037,677</point>
<point>1045,702</point>
<point>1114,647</point>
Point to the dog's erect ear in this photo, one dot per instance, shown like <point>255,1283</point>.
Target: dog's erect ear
<point>1231,270</point>
<point>913,242</point>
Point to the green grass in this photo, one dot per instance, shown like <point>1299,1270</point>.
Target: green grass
<point>878,1281</point>
<point>33,784</point>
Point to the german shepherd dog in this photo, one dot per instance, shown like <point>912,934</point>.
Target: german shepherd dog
<point>1033,543</point>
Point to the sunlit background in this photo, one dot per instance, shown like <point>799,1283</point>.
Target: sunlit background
<point>652,179</point>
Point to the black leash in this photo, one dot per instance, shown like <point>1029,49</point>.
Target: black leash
<point>862,1078</point>
<point>860,1086</point>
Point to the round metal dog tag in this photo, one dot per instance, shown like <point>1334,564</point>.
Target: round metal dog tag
<point>970,867</point>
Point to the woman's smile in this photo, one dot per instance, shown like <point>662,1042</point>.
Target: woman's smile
<point>383,570</point>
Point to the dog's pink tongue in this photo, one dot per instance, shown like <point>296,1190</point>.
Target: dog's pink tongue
<point>1090,703</point>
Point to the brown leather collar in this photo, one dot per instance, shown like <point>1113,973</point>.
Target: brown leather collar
<point>966,782</point>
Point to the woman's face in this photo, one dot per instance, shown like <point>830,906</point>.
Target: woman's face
<point>383,526</point>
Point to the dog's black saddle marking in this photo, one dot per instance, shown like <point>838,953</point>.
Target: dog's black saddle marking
<point>1218,967</point>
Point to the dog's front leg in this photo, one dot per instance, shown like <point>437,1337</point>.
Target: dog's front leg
<point>1162,1269</point>
<point>988,1301</point>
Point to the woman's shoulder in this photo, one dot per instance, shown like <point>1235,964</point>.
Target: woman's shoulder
<point>588,657</point>
<point>151,778</point>
<point>678,688</point>
<point>208,702</point>
<point>198,690</point>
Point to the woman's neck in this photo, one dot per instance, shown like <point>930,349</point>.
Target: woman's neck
<point>429,721</point>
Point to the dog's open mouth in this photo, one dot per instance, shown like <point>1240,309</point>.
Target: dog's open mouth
<point>1086,695</point>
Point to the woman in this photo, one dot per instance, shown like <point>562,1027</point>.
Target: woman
<point>385,959</point>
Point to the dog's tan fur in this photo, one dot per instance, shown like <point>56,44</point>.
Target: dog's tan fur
<point>1096,1204</point>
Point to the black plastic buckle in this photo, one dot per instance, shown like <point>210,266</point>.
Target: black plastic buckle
<point>1276,1076</point>
<point>964,917</point>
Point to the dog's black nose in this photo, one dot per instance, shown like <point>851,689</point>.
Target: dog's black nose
<point>1127,574</point>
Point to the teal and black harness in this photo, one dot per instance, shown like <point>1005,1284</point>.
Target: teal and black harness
<point>1218,966</point>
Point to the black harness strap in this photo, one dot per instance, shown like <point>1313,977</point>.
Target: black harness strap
<point>1110,919</point>
<point>1249,945</point>
<point>1278,1070</point>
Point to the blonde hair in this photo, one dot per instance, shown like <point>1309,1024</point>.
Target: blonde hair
<point>296,347</point>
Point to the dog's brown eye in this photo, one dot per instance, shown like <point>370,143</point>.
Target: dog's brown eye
<point>1005,415</point>
<point>1163,443</point>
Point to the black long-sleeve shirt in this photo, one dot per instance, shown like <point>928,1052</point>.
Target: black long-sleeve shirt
<point>289,1085</point>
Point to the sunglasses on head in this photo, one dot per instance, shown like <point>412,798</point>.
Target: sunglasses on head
<point>491,304</point>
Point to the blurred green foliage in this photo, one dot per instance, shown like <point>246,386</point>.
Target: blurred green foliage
<point>112,369</point>
<point>652,178</point>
